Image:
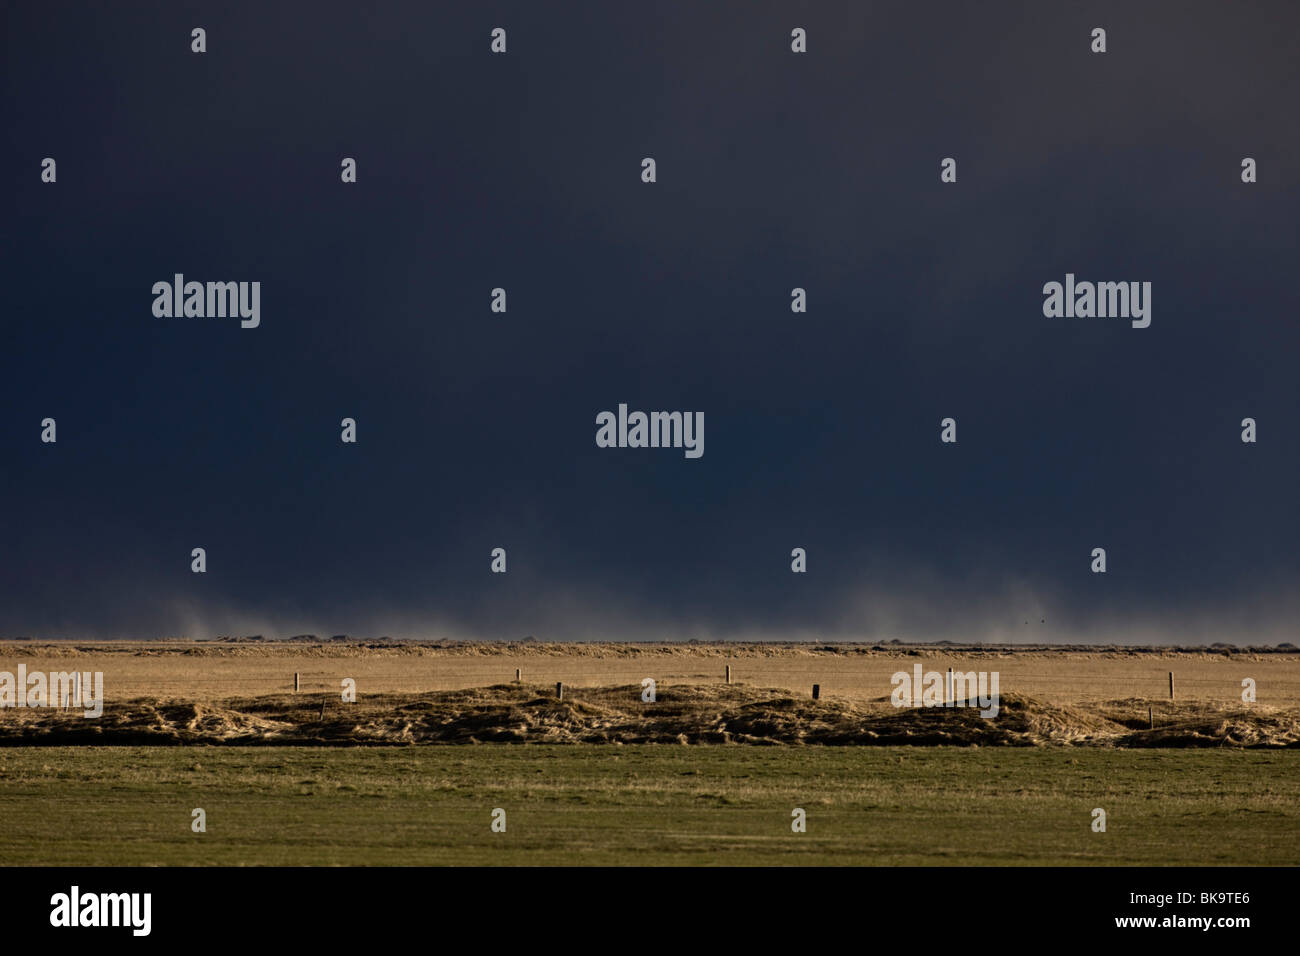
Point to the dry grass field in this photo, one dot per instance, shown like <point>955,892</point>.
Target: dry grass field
<point>207,671</point>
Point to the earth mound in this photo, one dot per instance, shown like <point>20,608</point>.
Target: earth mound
<point>681,714</point>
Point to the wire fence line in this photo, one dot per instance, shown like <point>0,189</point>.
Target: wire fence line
<point>1152,684</point>
<point>680,678</point>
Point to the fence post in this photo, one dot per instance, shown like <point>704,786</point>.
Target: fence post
<point>1151,717</point>
<point>817,691</point>
<point>295,682</point>
<point>1171,685</point>
<point>518,674</point>
<point>728,673</point>
<point>559,690</point>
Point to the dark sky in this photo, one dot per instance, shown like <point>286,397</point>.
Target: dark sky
<point>476,430</point>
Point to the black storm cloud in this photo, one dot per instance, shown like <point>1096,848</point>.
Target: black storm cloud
<point>775,170</point>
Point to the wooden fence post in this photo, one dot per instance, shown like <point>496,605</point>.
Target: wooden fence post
<point>518,674</point>
<point>817,691</point>
<point>295,682</point>
<point>728,673</point>
<point>559,690</point>
<point>1171,685</point>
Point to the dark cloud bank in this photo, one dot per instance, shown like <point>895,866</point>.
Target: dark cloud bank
<point>476,430</point>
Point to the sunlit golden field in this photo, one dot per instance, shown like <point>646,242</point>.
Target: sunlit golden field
<point>208,670</point>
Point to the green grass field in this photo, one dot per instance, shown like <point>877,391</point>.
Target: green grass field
<point>646,805</point>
